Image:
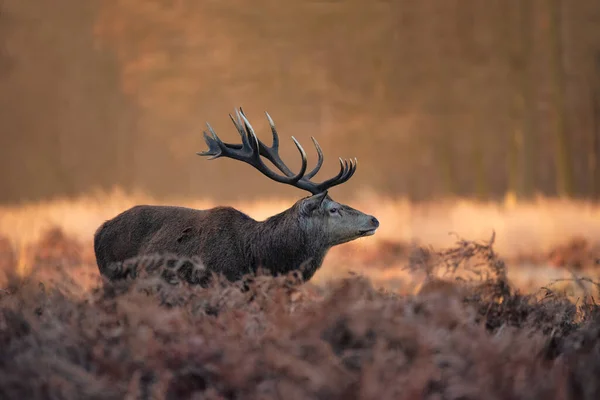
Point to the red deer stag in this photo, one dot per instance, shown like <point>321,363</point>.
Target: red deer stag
<point>229,242</point>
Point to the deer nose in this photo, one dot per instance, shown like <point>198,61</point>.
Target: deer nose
<point>374,222</point>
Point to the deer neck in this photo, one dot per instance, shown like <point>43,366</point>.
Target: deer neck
<point>281,245</point>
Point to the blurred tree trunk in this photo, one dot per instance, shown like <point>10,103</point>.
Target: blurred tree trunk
<point>520,160</point>
<point>467,36</point>
<point>5,22</point>
<point>440,43</point>
<point>526,184</point>
<point>564,165</point>
<point>513,164</point>
<point>594,150</point>
<point>512,39</point>
<point>445,151</point>
<point>478,154</point>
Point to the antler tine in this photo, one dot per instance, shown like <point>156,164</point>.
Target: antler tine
<point>214,149</point>
<point>242,132</point>
<point>270,155</point>
<point>217,148</point>
<point>274,152</point>
<point>275,145</point>
<point>319,161</point>
<point>347,169</point>
<point>252,138</point>
<point>240,129</point>
<point>331,182</point>
<point>349,172</point>
<point>353,169</point>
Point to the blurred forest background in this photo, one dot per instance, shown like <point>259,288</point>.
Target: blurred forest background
<point>438,98</point>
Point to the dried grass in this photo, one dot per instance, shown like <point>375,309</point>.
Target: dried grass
<point>66,334</point>
<point>524,228</point>
<point>460,322</point>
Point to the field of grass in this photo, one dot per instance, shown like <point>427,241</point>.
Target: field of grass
<point>375,322</point>
<point>540,240</point>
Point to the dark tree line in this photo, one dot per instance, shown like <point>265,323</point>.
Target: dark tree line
<point>465,98</point>
<point>62,113</point>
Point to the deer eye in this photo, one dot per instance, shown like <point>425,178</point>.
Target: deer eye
<point>333,210</point>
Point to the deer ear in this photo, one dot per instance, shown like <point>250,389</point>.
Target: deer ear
<point>313,203</point>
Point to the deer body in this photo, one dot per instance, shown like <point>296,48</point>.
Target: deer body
<point>230,242</point>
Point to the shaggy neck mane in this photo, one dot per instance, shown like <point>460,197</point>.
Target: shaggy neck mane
<point>280,245</point>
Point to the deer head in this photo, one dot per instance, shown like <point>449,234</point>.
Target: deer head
<point>318,215</point>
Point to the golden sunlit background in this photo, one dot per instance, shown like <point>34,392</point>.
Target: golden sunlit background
<point>476,125</point>
<point>466,117</point>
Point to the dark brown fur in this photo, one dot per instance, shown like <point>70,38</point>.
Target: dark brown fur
<point>230,242</point>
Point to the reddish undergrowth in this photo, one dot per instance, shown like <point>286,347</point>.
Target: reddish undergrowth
<point>150,337</point>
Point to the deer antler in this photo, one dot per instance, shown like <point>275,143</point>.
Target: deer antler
<point>251,148</point>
